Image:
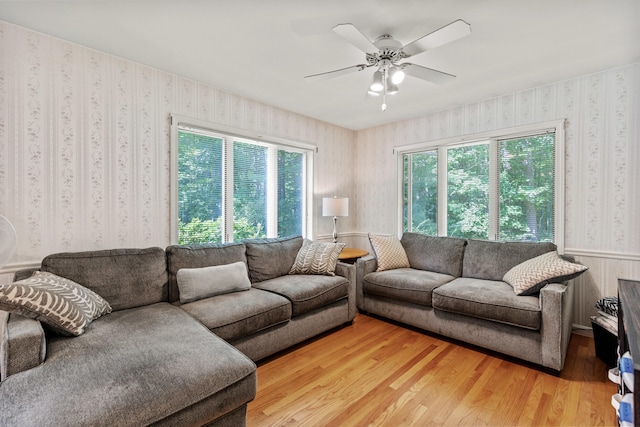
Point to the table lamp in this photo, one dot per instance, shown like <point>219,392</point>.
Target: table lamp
<point>335,207</point>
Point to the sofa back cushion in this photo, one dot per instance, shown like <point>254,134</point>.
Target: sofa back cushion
<point>438,254</point>
<point>198,256</point>
<point>126,278</point>
<point>271,258</point>
<point>484,259</point>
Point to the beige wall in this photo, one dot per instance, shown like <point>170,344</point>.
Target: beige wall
<point>85,145</point>
<point>84,154</point>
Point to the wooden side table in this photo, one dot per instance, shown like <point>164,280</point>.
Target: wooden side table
<point>351,255</point>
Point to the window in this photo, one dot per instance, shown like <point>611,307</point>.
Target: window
<point>468,191</point>
<point>526,196</point>
<point>231,188</point>
<point>505,186</point>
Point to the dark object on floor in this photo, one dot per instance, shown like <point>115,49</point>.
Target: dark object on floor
<point>606,344</point>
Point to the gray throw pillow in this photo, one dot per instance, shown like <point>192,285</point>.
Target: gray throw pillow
<point>317,258</point>
<point>198,283</point>
<point>528,277</point>
<point>61,304</point>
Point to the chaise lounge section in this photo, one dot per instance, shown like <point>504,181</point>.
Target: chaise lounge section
<point>154,358</point>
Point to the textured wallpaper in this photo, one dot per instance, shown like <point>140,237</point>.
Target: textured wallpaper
<point>602,151</point>
<point>85,145</point>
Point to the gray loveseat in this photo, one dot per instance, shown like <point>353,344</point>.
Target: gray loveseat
<point>154,360</point>
<point>454,287</point>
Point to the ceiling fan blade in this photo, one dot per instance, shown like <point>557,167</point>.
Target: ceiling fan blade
<point>335,73</point>
<point>427,74</point>
<point>451,32</point>
<point>351,34</point>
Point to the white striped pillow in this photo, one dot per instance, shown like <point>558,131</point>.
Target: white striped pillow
<point>528,277</point>
<point>317,258</point>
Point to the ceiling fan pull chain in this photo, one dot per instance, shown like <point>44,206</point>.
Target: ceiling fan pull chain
<point>384,92</point>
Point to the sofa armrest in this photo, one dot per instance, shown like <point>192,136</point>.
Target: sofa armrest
<point>22,344</point>
<point>556,302</point>
<point>364,266</point>
<point>24,274</point>
<point>348,271</point>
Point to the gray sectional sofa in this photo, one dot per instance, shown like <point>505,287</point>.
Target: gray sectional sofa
<point>454,287</point>
<point>155,360</point>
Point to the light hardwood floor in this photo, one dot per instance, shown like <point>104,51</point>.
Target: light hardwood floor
<point>378,373</point>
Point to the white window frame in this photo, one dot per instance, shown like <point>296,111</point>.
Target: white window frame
<point>556,126</point>
<point>229,134</point>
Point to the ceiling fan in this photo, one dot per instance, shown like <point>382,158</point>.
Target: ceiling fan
<point>385,53</point>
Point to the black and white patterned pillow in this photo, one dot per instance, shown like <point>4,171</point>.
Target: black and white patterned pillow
<point>317,258</point>
<point>608,305</point>
<point>63,305</point>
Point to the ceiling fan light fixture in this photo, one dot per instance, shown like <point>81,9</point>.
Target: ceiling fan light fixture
<point>391,88</point>
<point>396,75</point>
<point>377,85</point>
<point>386,53</point>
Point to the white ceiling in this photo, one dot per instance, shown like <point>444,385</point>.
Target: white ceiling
<point>262,49</point>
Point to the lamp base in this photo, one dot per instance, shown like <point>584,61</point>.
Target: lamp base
<point>335,232</point>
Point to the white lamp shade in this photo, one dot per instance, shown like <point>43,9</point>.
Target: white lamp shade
<point>335,206</point>
<point>396,75</point>
<point>377,85</point>
<point>391,87</point>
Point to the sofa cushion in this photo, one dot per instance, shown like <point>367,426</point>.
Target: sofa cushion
<point>238,314</point>
<point>269,258</point>
<point>307,292</point>
<point>197,256</point>
<point>406,284</point>
<point>491,260</point>
<point>317,258</point>
<point>126,278</point>
<point>528,277</point>
<point>488,299</point>
<point>389,252</point>
<point>130,368</point>
<point>61,304</point>
<point>440,254</point>
<point>204,282</point>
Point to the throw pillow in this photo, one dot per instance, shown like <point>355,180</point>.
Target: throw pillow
<point>389,252</point>
<point>608,305</point>
<point>63,305</point>
<point>528,277</point>
<point>317,258</point>
<point>205,282</point>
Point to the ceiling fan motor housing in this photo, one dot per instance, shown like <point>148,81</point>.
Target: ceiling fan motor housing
<point>390,51</point>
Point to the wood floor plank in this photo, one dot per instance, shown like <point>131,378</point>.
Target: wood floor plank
<point>378,373</point>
